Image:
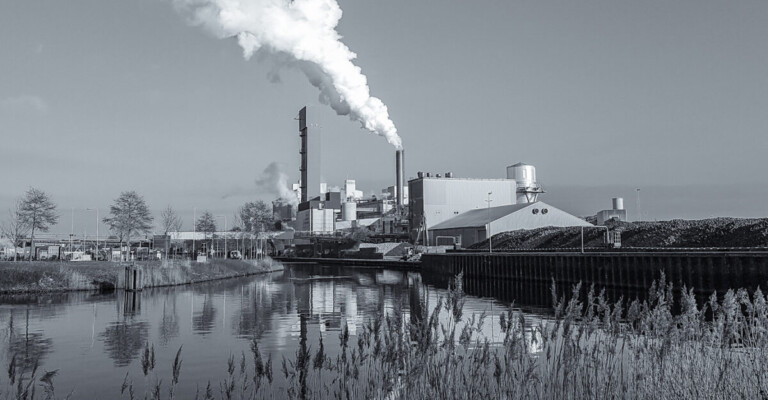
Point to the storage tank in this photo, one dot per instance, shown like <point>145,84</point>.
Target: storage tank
<point>349,211</point>
<point>618,203</point>
<point>524,175</point>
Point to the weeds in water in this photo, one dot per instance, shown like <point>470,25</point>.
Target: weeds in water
<point>591,348</point>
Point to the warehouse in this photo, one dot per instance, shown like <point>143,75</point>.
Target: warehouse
<point>435,199</point>
<point>472,226</point>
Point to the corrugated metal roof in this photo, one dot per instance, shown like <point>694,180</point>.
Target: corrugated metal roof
<point>479,217</point>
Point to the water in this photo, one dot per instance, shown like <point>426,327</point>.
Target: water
<point>94,340</point>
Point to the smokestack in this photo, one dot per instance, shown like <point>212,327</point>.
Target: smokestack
<point>399,156</point>
<point>303,152</point>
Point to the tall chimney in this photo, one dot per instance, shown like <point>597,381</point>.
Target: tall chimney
<point>399,175</point>
<point>303,152</point>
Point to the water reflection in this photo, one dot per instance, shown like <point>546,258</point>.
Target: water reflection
<point>123,340</point>
<point>26,347</point>
<point>203,320</point>
<point>168,328</point>
<point>96,339</point>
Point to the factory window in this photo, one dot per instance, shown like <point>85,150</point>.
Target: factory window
<point>544,211</point>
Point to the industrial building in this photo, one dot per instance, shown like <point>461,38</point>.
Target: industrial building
<point>441,205</point>
<point>474,226</point>
<point>435,199</point>
<point>617,212</point>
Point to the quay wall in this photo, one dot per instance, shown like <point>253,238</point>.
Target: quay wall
<point>530,275</point>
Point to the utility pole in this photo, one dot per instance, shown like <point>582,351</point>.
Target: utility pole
<point>490,245</point>
<point>637,204</point>
<point>72,231</point>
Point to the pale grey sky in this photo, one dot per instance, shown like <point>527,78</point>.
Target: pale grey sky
<point>101,96</point>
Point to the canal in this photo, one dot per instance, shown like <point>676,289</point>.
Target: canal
<point>95,340</point>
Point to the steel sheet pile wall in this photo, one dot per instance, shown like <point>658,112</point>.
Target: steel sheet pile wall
<point>529,276</point>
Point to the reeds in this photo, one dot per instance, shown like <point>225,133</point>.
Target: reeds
<point>589,349</point>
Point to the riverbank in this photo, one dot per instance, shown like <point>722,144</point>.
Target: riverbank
<point>42,276</point>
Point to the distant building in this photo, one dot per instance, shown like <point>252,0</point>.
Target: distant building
<point>617,212</point>
<point>435,199</point>
<point>472,226</point>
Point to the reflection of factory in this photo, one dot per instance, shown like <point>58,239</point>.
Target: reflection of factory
<point>447,210</point>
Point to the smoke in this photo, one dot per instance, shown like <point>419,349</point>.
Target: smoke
<point>300,33</point>
<point>274,181</point>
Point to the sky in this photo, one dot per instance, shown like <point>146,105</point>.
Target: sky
<point>603,97</point>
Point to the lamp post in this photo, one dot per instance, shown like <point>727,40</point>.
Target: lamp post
<point>596,226</point>
<point>72,230</point>
<point>194,232</point>
<point>490,245</point>
<point>225,234</point>
<point>97,230</point>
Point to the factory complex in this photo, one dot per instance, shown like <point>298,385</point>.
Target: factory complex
<point>430,209</point>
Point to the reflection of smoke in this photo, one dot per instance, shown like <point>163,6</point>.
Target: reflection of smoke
<point>300,33</point>
<point>274,181</point>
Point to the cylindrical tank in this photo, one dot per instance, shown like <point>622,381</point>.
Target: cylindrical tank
<point>618,203</point>
<point>523,174</point>
<point>349,211</point>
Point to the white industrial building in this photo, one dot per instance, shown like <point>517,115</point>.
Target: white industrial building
<point>441,205</point>
<point>434,199</point>
<point>472,226</point>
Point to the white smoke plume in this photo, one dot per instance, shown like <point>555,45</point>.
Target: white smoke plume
<point>274,181</point>
<point>305,32</point>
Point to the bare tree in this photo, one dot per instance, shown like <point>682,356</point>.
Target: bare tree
<point>257,216</point>
<point>129,215</point>
<point>171,222</point>
<point>15,228</point>
<point>38,212</point>
<point>206,224</point>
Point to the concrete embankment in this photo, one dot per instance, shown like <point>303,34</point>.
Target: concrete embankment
<point>620,274</point>
<point>40,276</point>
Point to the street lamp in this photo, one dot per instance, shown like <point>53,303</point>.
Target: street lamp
<point>490,246</point>
<point>97,230</point>
<point>225,234</point>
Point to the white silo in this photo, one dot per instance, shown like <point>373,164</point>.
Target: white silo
<point>525,176</point>
<point>349,211</point>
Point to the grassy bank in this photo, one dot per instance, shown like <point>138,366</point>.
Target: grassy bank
<point>41,276</point>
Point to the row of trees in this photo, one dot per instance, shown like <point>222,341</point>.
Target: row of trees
<point>129,217</point>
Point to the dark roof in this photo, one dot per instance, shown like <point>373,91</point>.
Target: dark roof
<point>479,217</point>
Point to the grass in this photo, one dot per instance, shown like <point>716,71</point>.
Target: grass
<point>41,276</point>
<point>589,349</point>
